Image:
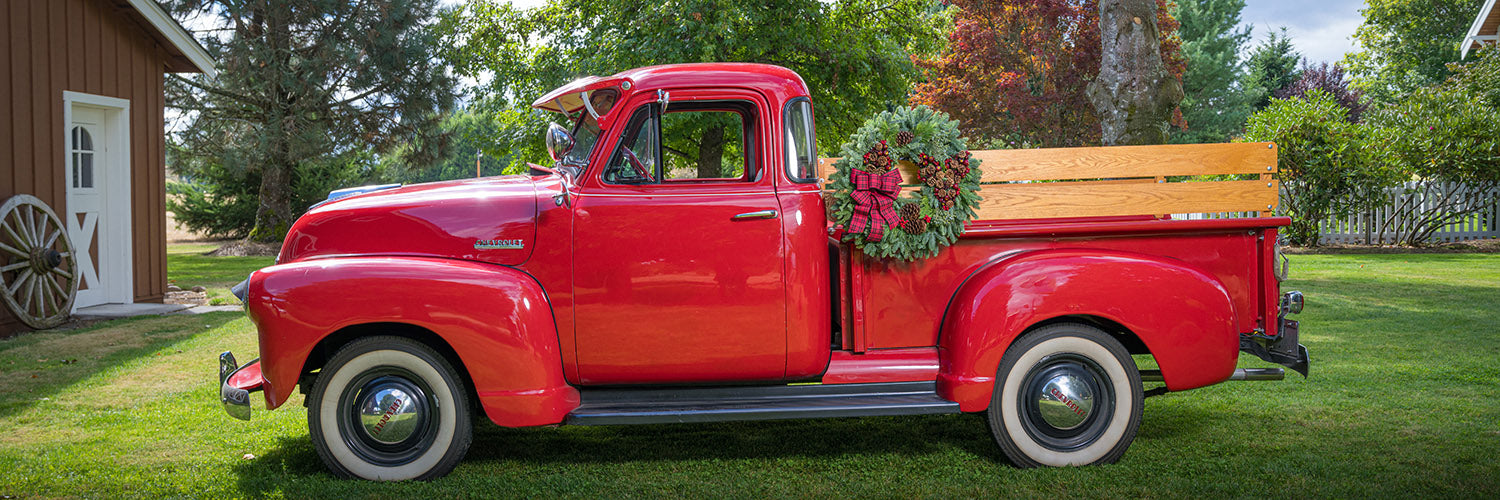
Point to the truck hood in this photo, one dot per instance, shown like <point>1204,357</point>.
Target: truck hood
<point>491,219</point>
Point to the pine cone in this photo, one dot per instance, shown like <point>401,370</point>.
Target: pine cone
<point>910,211</point>
<point>915,226</point>
<point>878,159</point>
<point>904,137</point>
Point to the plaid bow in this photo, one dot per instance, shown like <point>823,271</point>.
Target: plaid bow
<point>874,198</point>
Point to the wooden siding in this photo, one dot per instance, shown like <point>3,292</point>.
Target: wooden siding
<point>94,47</point>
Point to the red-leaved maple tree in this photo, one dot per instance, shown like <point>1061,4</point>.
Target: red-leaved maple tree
<point>1017,71</point>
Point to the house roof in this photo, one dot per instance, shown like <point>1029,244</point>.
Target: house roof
<point>184,54</point>
<point>1485,27</point>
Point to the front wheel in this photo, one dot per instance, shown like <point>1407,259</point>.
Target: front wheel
<point>1065,394</point>
<point>389,409</point>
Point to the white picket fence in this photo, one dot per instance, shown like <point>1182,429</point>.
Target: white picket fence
<point>1364,228</point>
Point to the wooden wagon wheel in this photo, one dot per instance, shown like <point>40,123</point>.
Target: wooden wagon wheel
<point>38,265</point>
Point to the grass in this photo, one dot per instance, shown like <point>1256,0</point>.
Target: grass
<point>1402,403</point>
<point>188,266</point>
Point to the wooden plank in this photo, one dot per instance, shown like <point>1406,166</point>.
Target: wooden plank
<point>23,103</point>
<point>1010,165</point>
<point>57,25</point>
<point>76,75</point>
<point>8,164</point>
<point>157,126</point>
<point>1067,199</point>
<point>1006,165</point>
<point>92,53</point>
<point>110,43</point>
<point>141,151</point>
<point>42,105</point>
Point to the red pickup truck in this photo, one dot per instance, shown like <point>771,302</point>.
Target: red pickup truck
<point>675,265</point>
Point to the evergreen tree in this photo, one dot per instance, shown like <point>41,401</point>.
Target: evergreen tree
<point>1217,103</point>
<point>305,85</point>
<point>1271,67</point>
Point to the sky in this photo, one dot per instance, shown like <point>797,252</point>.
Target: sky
<point>1322,30</point>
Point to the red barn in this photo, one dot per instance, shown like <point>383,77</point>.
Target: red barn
<point>82,130</point>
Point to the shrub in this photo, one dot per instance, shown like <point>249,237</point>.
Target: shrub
<point>1325,169</point>
<point>1328,78</point>
<point>1446,140</point>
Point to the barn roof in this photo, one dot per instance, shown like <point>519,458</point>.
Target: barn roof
<point>184,54</point>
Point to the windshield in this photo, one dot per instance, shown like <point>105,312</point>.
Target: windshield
<point>586,129</point>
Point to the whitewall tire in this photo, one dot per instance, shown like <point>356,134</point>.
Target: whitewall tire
<point>389,409</point>
<point>1065,394</point>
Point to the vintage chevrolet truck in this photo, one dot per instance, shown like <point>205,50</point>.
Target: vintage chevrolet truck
<point>675,264</point>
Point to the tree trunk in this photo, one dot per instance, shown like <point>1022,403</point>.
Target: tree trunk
<point>1134,95</point>
<point>273,218</point>
<point>711,153</point>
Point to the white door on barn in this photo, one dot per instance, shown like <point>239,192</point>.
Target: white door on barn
<point>98,198</point>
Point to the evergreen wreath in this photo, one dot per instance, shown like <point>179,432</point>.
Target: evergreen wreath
<point>865,201</point>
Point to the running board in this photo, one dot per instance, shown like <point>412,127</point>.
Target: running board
<point>719,404</point>
<point>1239,374</point>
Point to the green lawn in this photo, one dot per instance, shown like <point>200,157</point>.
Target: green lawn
<point>187,267</point>
<point>1402,402</point>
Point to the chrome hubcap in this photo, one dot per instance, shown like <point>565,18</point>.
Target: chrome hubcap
<point>389,413</point>
<point>1065,401</point>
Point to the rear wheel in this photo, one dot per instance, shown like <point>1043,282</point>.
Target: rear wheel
<point>1065,394</point>
<point>389,409</point>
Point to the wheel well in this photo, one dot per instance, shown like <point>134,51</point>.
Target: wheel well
<point>1127,338</point>
<point>330,345</point>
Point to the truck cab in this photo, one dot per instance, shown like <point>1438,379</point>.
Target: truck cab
<point>675,263</point>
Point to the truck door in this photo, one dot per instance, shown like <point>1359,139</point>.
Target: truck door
<point>678,250</point>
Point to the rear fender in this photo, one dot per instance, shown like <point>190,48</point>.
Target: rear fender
<point>497,320</point>
<point>1183,315</point>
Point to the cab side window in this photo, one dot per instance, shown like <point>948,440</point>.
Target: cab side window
<point>703,145</point>
<point>693,142</point>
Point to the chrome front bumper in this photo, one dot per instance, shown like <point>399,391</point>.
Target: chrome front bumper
<point>236,383</point>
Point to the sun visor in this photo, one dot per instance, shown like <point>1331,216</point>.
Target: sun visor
<point>568,95</point>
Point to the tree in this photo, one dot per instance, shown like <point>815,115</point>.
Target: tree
<point>1134,93</point>
<point>1406,44</point>
<point>854,54</point>
<point>1016,73</point>
<point>1216,102</point>
<point>1326,166</point>
<point>305,84</point>
<point>500,139</point>
<point>1272,66</point>
<point>1328,78</point>
<point>1445,140</point>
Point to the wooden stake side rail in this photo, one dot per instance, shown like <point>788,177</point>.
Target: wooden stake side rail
<point>1135,180</point>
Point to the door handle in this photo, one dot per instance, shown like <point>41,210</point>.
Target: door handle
<point>763,214</point>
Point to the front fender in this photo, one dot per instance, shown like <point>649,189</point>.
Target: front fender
<point>1182,314</point>
<point>496,318</point>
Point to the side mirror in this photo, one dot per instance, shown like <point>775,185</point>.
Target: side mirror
<point>559,142</point>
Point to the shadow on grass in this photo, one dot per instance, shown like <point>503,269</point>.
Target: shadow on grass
<point>41,364</point>
<point>293,466</point>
